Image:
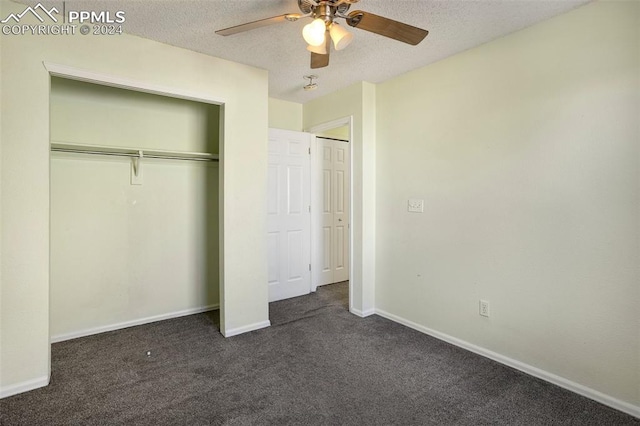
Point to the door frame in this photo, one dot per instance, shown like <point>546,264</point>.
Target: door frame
<point>316,200</point>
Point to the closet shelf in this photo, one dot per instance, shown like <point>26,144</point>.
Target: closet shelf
<point>131,152</point>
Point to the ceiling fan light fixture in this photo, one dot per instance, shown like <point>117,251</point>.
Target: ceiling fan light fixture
<point>313,33</point>
<point>320,50</point>
<point>340,36</point>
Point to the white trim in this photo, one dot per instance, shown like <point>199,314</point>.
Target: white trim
<point>24,387</point>
<point>315,170</point>
<point>344,121</point>
<point>245,329</point>
<point>362,314</point>
<point>317,266</point>
<point>133,323</point>
<point>593,394</point>
<point>79,74</point>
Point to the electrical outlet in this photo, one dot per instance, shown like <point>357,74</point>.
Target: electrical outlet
<point>415,206</point>
<point>484,308</point>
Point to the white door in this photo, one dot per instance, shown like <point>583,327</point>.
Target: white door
<point>335,210</point>
<point>288,215</point>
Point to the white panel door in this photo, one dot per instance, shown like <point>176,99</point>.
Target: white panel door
<point>334,252</point>
<point>288,215</point>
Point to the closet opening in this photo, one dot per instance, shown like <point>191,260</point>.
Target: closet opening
<point>135,208</point>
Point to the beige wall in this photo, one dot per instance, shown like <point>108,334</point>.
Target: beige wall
<point>526,153</point>
<point>25,171</point>
<point>285,115</point>
<point>337,133</point>
<point>359,102</point>
<point>115,259</point>
<point>85,113</point>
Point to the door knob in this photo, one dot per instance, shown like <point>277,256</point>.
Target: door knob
<point>339,220</point>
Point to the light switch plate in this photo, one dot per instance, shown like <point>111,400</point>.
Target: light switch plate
<point>415,206</point>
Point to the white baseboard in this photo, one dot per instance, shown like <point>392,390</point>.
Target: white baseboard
<point>127,324</point>
<point>24,387</point>
<point>362,314</point>
<point>245,329</point>
<point>600,397</point>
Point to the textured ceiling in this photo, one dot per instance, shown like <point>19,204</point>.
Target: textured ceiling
<point>454,26</point>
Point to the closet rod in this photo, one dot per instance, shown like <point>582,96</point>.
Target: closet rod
<point>127,154</point>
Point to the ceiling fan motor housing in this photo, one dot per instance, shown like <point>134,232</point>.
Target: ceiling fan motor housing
<point>325,9</point>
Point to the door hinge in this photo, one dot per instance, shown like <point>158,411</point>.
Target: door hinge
<point>309,267</point>
<point>309,151</point>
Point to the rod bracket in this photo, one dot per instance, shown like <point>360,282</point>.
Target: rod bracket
<point>136,169</point>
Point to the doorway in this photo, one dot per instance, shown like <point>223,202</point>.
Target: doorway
<point>340,133</point>
<point>309,235</point>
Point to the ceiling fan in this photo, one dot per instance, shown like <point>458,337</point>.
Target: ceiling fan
<point>324,28</point>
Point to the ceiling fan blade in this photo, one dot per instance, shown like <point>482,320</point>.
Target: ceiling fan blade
<point>258,24</point>
<point>321,61</point>
<point>386,27</point>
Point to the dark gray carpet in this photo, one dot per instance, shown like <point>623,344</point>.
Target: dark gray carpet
<point>317,364</point>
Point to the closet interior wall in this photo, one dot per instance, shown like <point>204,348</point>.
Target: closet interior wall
<point>124,254</point>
